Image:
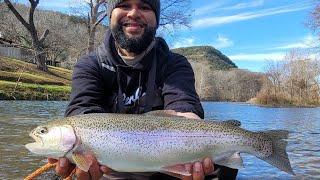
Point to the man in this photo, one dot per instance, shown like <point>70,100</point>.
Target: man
<point>133,72</point>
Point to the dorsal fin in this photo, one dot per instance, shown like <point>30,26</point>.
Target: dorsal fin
<point>163,113</point>
<point>232,122</point>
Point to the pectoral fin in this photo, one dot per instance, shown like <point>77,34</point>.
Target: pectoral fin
<point>82,161</point>
<point>178,170</point>
<point>234,161</point>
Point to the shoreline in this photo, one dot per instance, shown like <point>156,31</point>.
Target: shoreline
<point>248,103</point>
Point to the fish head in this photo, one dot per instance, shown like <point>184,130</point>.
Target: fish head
<point>52,141</point>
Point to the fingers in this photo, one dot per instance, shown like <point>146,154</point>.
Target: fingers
<point>105,170</point>
<point>52,161</point>
<point>207,165</point>
<point>188,115</point>
<point>95,169</point>
<point>82,175</point>
<point>64,167</point>
<point>188,167</point>
<point>197,172</point>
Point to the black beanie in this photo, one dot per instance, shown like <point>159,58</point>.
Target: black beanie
<point>155,5</point>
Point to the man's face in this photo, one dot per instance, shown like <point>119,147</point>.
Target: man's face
<point>133,25</point>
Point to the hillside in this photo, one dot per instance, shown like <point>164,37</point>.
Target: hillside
<point>68,34</point>
<point>33,84</point>
<point>208,56</point>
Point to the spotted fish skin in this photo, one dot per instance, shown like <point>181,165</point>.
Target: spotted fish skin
<point>147,143</point>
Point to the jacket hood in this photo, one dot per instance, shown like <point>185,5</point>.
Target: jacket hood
<point>111,57</point>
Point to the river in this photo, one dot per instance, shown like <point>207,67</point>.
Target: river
<point>17,118</point>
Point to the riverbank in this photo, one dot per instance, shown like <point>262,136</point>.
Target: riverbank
<point>23,81</point>
<point>279,104</point>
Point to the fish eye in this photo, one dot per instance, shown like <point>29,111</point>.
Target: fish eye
<point>42,130</point>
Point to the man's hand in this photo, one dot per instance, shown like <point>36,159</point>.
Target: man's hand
<point>64,168</point>
<point>189,115</point>
<point>198,170</point>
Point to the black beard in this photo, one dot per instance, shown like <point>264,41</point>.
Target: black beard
<point>133,45</point>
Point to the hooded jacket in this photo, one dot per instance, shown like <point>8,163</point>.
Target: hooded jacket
<point>102,82</point>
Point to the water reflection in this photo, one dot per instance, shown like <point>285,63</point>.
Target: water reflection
<point>17,118</point>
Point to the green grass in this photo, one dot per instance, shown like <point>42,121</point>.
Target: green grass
<point>33,83</point>
<point>26,91</point>
<point>28,78</point>
<point>14,67</point>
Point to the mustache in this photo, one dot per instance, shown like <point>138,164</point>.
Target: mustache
<point>138,21</point>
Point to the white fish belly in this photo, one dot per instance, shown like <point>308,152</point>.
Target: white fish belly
<point>148,152</point>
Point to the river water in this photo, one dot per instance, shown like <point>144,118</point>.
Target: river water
<point>17,118</point>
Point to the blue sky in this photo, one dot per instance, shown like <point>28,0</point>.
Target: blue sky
<point>252,31</point>
<point>248,32</point>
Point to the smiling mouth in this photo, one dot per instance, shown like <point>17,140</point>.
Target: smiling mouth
<point>132,25</point>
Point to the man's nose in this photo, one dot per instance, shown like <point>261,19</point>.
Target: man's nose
<point>133,13</point>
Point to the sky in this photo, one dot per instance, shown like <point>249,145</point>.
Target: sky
<point>249,32</point>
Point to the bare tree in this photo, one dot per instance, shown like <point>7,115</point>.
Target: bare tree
<point>94,12</point>
<point>313,22</point>
<point>314,19</point>
<point>295,80</point>
<point>175,13</point>
<point>37,42</point>
<point>97,14</point>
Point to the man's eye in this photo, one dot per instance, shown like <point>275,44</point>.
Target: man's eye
<point>124,6</point>
<point>145,8</point>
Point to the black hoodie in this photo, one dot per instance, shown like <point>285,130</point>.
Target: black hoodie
<point>102,82</point>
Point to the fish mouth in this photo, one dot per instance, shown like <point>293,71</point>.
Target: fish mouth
<point>38,142</point>
<point>36,138</point>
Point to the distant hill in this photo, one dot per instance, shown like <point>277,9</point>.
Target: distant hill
<point>206,55</point>
<point>217,78</point>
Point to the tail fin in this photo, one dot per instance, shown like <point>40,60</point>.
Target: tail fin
<point>279,157</point>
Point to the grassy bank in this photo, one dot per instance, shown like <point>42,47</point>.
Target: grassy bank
<point>282,102</point>
<point>23,81</point>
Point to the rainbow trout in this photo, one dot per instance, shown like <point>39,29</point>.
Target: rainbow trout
<point>155,142</point>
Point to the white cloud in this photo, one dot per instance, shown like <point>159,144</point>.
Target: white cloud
<point>276,56</point>
<point>213,21</point>
<point>255,3</point>
<point>209,8</point>
<point>185,42</point>
<point>217,6</point>
<point>308,41</point>
<point>222,42</point>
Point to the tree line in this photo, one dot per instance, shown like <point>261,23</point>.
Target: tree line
<point>235,85</point>
<point>292,81</point>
